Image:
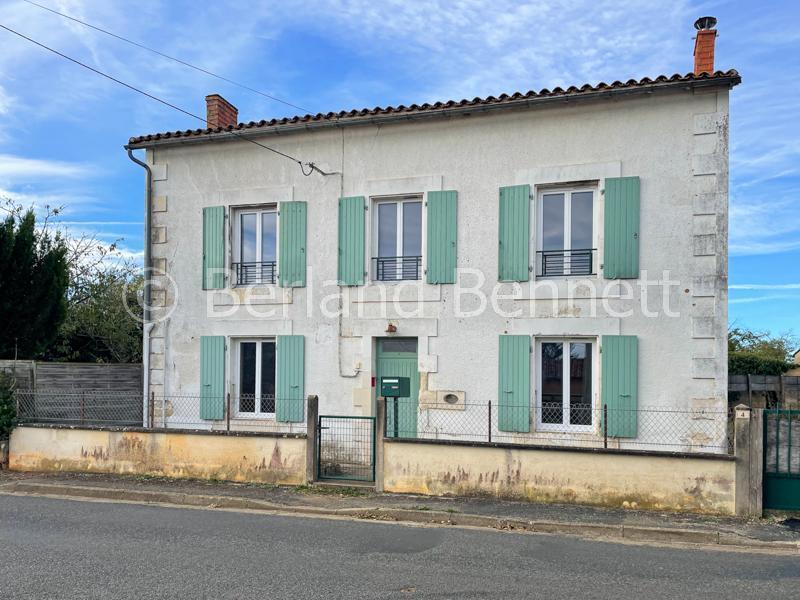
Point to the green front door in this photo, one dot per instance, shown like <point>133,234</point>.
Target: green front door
<point>397,357</point>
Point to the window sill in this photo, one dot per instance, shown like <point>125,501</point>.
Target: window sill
<point>250,286</point>
<point>252,295</point>
<point>253,417</point>
<point>584,431</point>
<point>568,276</point>
<point>394,281</point>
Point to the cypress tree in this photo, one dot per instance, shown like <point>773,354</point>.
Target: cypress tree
<point>34,275</point>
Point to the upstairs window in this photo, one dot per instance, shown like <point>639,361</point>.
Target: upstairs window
<point>255,246</point>
<point>398,239</point>
<point>566,233</point>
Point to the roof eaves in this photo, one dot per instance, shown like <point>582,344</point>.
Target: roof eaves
<point>379,114</point>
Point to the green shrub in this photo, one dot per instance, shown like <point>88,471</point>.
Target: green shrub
<point>748,363</point>
<point>8,407</point>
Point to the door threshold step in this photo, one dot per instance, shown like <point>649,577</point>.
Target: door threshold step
<point>345,483</point>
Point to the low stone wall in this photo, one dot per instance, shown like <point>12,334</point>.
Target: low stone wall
<point>607,478</point>
<point>204,455</point>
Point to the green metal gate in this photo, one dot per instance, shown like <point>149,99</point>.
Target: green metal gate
<point>346,448</point>
<point>782,459</point>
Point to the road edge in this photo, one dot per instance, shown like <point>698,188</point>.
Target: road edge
<point>613,532</point>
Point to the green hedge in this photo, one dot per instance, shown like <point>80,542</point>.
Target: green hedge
<point>747,363</point>
<point>8,408</point>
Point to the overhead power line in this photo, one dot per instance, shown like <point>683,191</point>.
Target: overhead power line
<point>303,165</point>
<point>167,56</point>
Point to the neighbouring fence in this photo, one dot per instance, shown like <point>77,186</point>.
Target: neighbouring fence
<point>73,377</point>
<point>125,409</point>
<point>665,429</point>
<point>764,391</point>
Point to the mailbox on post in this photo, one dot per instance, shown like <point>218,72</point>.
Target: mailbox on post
<point>395,387</point>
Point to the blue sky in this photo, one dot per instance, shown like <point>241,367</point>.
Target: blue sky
<point>62,128</point>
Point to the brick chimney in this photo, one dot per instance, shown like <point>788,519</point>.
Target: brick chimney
<point>704,45</point>
<point>220,112</point>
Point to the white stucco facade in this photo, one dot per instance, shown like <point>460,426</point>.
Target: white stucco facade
<point>675,140</point>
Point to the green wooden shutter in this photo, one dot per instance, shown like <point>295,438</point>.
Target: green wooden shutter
<point>351,240</point>
<point>292,251</point>
<point>621,230</point>
<point>442,227</point>
<point>212,377</point>
<point>289,398</point>
<point>515,239</point>
<point>514,394</point>
<point>213,247</point>
<point>620,375</point>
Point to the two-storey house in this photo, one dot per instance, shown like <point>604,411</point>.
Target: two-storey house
<point>553,252</point>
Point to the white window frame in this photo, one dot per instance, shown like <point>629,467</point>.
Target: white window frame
<point>567,191</point>
<point>237,373</point>
<point>399,201</point>
<point>565,425</point>
<point>236,250</point>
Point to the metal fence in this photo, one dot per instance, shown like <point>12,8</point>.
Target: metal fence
<point>585,426</point>
<point>87,407</point>
<point>104,408</point>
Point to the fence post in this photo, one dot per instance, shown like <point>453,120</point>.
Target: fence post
<point>749,392</point>
<point>605,425</point>
<point>312,418</point>
<point>380,434</point>
<point>490,421</point>
<point>228,412</point>
<point>781,397</point>
<point>83,407</point>
<point>151,406</point>
<point>749,452</point>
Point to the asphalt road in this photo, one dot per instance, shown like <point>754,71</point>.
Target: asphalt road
<point>51,548</point>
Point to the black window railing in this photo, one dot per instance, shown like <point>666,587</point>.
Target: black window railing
<point>394,268</point>
<point>552,263</point>
<point>255,273</point>
<point>249,402</point>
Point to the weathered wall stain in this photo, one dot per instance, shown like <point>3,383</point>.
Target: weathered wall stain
<point>234,458</point>
<point>657,482</point>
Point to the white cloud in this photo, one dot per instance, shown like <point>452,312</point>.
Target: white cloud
<point>94,223</point>
<point>763,223</point>
<point>768,298</point>
<point>15,169</point>
<point>764,286</point>
<point>469,48</point>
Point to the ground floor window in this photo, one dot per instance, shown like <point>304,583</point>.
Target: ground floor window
<point>564,390</point>
<point>256,377</point>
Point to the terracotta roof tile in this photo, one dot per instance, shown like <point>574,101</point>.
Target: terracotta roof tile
<point>730,78</point>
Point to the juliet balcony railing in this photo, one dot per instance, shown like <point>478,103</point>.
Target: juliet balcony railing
<point>396,268</point>
<point>255,273</point>
<point>554,263</point>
